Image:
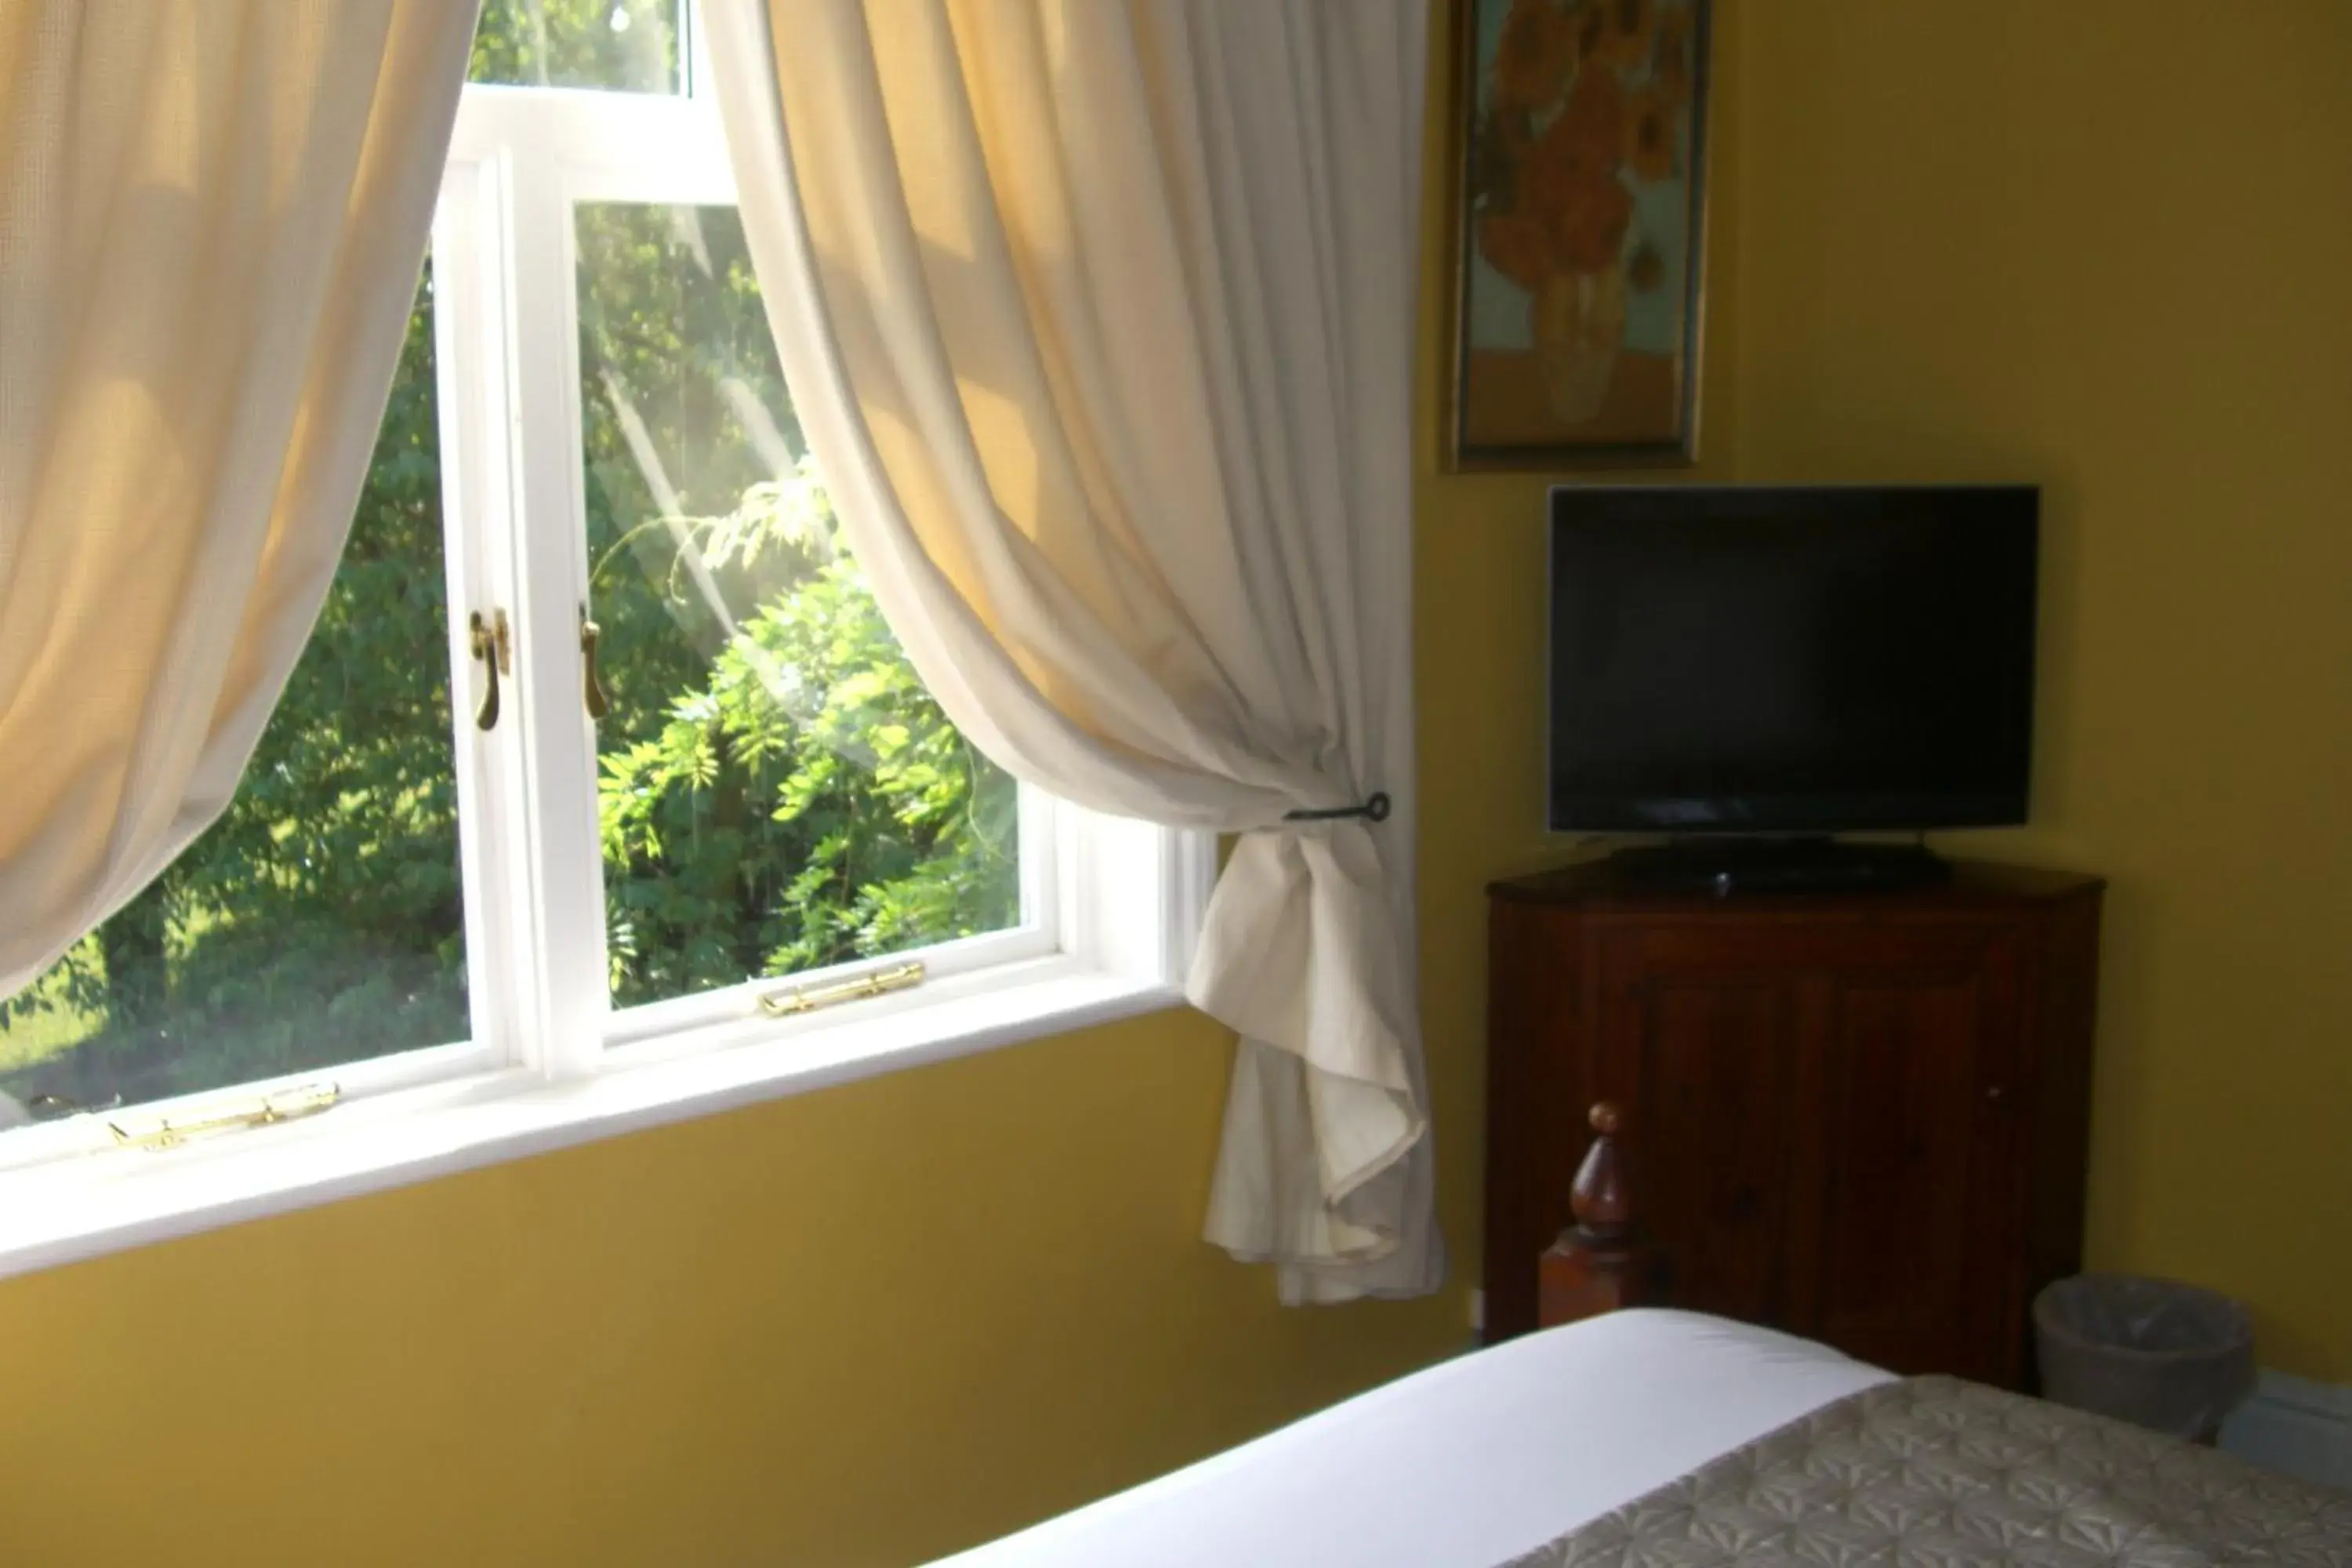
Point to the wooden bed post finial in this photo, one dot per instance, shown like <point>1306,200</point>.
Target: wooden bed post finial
<point>1600,1263</point>
<point>1598,1198</point>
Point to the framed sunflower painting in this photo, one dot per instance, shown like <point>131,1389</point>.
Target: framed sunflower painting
<point>1577,300</point>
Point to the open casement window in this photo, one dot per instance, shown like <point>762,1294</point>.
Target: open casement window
<point>603,794</point>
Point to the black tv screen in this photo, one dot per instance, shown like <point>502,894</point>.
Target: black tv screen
<point>1790,660</point>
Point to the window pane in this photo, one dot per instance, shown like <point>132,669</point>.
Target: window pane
<point>777,790</point>
<point>319,922</point>
<point>629,46</point>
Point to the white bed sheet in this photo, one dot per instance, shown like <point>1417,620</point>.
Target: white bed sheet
<point>1469,1463</point>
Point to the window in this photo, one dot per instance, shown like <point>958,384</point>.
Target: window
<point>601,768</point>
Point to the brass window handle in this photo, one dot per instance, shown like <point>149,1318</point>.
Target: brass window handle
<point>592,688</point>
<point>491,644</point>
<point>874,983</point>
<point>268,1111</point>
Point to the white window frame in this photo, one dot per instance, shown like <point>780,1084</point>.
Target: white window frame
<point>1112,907</point>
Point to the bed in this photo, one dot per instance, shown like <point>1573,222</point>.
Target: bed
<point>1648,1436</point>
<point>1472,1462</point>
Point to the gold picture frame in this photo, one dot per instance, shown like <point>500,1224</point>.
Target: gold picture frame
<point>1579,204</point>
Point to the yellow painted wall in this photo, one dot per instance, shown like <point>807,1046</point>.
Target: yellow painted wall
<point>2097,243</point>
<point>868,1325</point>
<point>2106,244</point>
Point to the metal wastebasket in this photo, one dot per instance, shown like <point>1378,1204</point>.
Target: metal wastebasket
<point>2159,1353</point>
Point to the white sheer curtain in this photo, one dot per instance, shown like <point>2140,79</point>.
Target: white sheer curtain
<point>212,217</point>
<point>1099,319</point>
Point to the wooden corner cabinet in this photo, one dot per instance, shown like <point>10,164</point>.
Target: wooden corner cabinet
<point>1862,1118</point>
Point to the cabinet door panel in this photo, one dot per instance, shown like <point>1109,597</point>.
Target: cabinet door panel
<point>1701,1047</point>
<point>1714,1082</point>
<point>1913,1229</point>
<point>1899,1076</point>
<point>1813,1145</point>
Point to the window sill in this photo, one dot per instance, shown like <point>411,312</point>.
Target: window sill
<point>84,1207</point>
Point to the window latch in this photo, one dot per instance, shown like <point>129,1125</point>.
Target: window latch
<point>809,998</point>
<point>491,644</point>
<point>270,1109</point>
<point>592,688</point>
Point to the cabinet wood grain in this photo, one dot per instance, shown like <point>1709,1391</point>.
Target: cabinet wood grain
<point>1862,1118</point>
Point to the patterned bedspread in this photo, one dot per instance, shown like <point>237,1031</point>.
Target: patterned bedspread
<point>1936,1473</point>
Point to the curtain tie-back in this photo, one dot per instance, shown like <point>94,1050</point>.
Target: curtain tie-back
<point>1375,808</point>
<point>1300,955</point>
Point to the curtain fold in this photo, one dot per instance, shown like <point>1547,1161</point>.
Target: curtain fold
<point>212,217</point>
<point>1099,319</point>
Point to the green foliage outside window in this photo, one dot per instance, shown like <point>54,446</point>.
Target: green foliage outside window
<point>777,790</point>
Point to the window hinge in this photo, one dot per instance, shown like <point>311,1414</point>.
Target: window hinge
<point>270,1109</point>
<point>809,998</point>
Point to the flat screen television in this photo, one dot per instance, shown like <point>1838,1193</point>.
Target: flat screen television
<point>1791,661</point>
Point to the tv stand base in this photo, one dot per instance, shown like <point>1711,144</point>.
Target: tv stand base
<point>1731,865</point>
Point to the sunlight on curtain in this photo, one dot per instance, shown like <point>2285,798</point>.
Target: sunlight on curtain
<point>1101,320</point>
<point>215,212</point>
